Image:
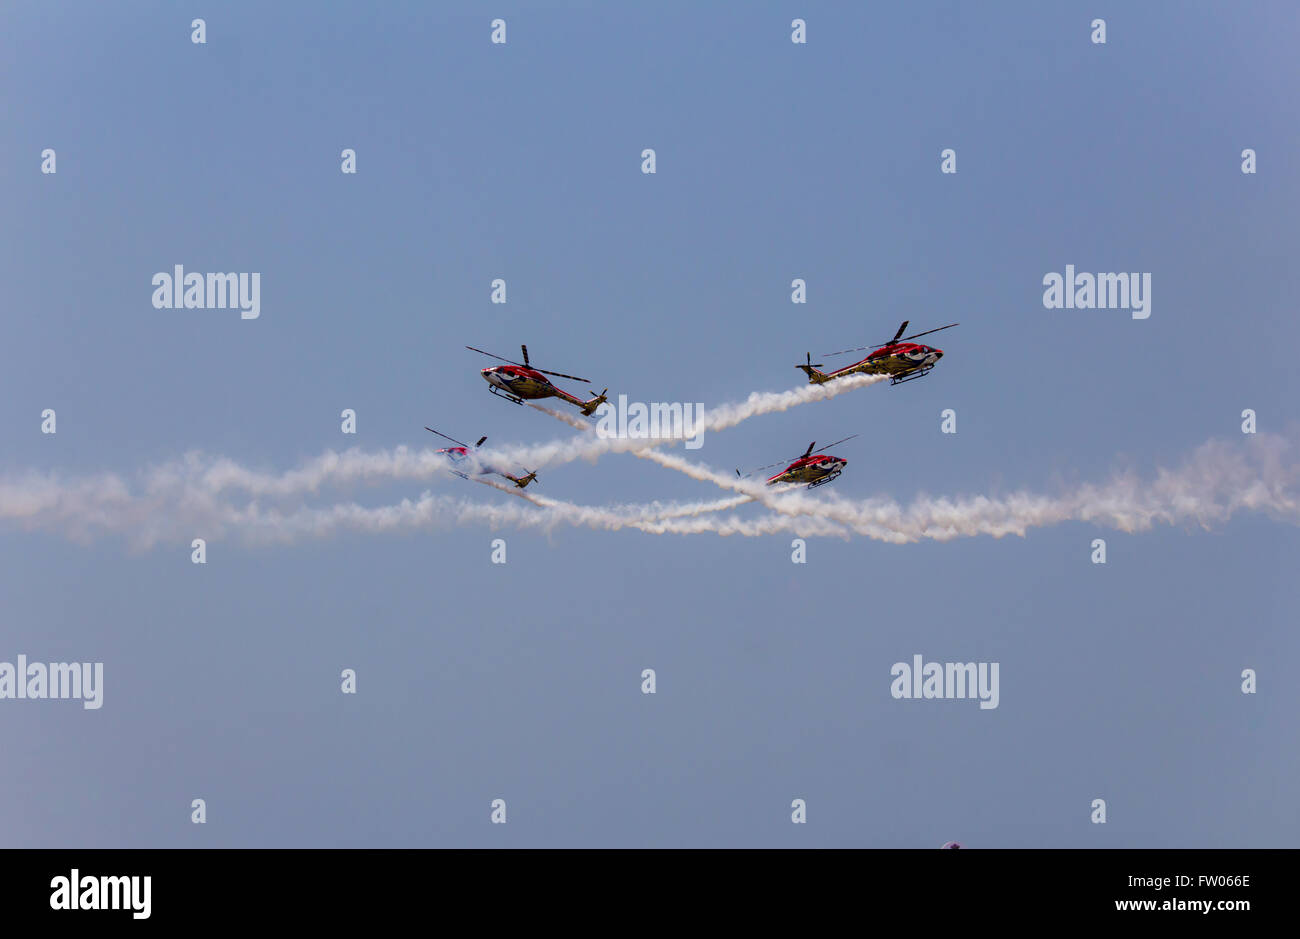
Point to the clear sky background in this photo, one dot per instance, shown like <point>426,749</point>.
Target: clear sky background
<point>775,161</point>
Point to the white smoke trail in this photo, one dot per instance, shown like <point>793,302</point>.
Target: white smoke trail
<point>629,512</point>
<point>590,447</point>
<point>216,475</point>
<point>758,403</point>
<point>1218,481</point>
<point>185,508</point>
<point>656,518</point>
<point>571,419</point>
<point>437,512</point>
<point>770,402</point>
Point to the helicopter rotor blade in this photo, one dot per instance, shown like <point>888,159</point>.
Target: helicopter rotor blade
<point>857,349</point>
<point>835,444</point>
<point>480,442</point>
<point>495,356</point>
<point>525,363</point>
<point>895,339</point>
<point>452,439</point>
<point>879,345</point>
<point>900,332</point>
<point>928,331</point>
<point>561,375</point>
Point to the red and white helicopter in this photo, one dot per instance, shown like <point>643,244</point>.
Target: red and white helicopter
<point>900,358</point>
<point>460,455</point>
<point>815,467</point>
<point>517,382</point>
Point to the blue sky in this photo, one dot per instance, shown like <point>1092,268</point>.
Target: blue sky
<point>775,161</point>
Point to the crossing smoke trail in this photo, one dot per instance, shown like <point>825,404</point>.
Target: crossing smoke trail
<point>1218,481</point>
<point>200,477</point>
<point>438,512</point>
<point>193,486</point>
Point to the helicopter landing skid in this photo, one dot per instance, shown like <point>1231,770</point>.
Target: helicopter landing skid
<point>505,394</point>
<point>912,376</point>
<point>825,479</point>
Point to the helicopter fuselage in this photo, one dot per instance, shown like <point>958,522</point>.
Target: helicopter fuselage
<point>902,361</point>
<point>814,470</point>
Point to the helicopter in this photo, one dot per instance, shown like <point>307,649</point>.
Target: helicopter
<point>517,382</point>
<point>460,454</point>
<point>899,358</point>
<point>811,468</point>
